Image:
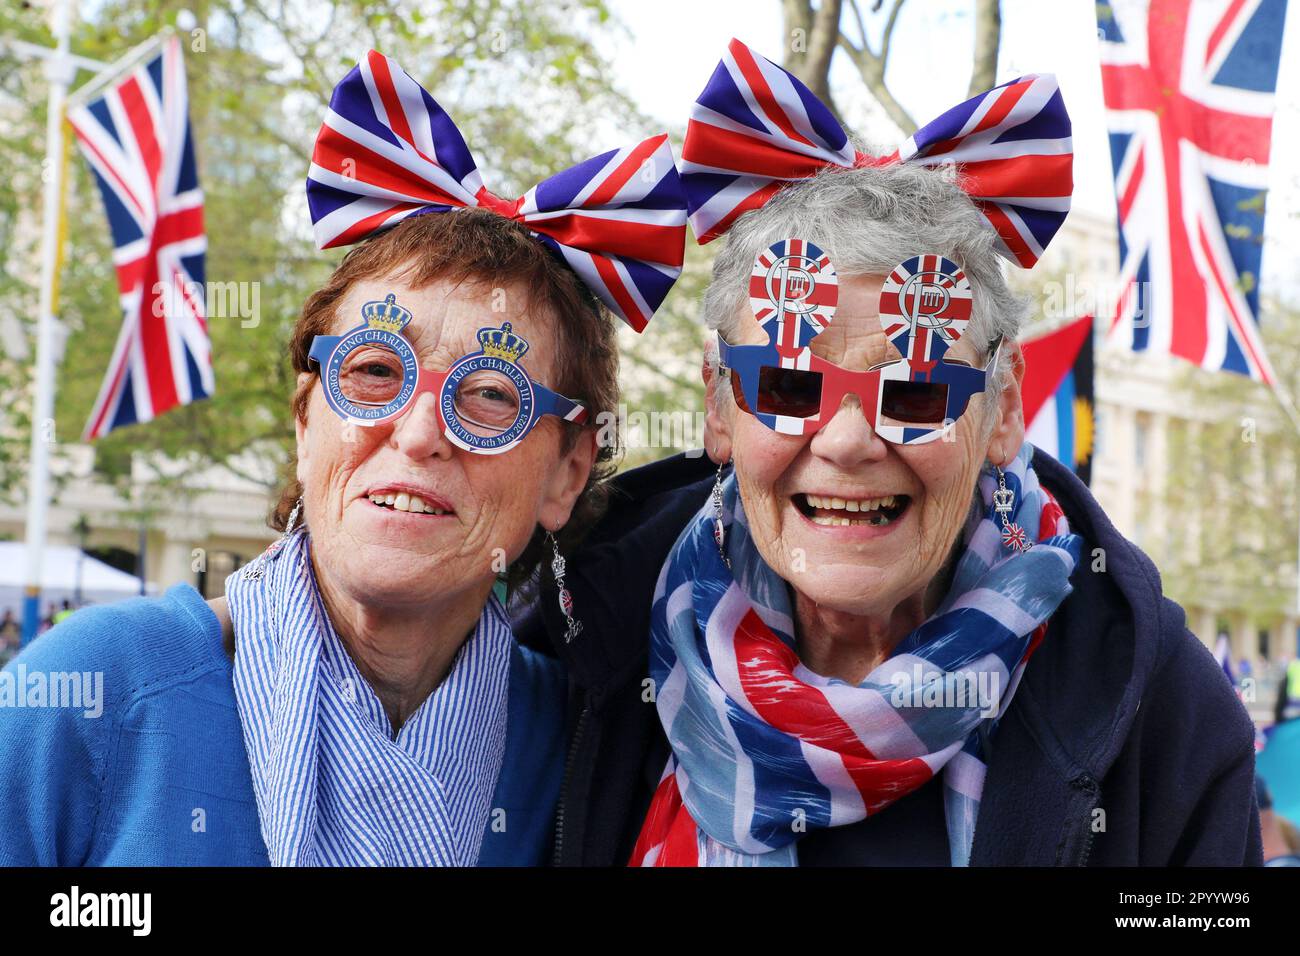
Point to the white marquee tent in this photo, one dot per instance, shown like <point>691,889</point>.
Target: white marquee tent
<point>100,582</point>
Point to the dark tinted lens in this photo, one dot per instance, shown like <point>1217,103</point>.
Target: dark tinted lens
<point>789,391</point>
<point>371,375</point>
<point>738,391</point>
<point>914,403</point>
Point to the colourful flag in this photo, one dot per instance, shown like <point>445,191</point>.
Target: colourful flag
<point>136,137</point>
<point>1057,395</point>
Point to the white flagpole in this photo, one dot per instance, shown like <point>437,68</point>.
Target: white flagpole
<point>60,71</point>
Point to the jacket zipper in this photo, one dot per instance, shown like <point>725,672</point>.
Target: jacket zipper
<point>1089,785</point>
<point>564,786</point>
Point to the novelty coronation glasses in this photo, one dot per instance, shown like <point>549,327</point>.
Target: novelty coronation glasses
<point>925,306</point>
<point>487,403</point>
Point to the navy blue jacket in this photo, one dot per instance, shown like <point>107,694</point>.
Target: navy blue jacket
<point>1124,744</point>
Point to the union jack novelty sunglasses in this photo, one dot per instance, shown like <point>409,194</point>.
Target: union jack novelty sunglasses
<point>925,306</point>
<point>487,403</point>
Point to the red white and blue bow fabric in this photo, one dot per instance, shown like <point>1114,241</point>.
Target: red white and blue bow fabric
<point>387,151</point>
<point>756,128</point>
<point>765,750</point>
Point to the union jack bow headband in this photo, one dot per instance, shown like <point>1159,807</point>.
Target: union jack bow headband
<point>387,151</point>
<point>756,128</point>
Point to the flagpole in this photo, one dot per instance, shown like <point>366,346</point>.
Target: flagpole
<point>121,65</point>
<point>60,71</point>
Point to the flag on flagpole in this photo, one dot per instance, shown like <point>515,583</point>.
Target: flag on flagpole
<point>136,136</point>
<point>1189,103</point>
<point>1223,655</point>
<point>1057,393</point>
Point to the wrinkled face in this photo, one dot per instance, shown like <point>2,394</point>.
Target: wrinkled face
<point>853,522</point>
<point>399,515</point>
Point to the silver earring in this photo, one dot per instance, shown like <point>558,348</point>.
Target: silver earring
<point>719,533</point>
<point>574,628</point>
<point>1004,500</point>
<point>254,569</point>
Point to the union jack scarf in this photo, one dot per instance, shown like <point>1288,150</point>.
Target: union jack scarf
<point>333,787</point>
<point>765,750</point>
<point>387,151</point>
<point>755,129</point>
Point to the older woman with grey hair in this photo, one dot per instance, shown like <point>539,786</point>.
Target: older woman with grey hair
<point>891,632</point>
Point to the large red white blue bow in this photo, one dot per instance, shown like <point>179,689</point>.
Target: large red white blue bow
<point>387,151</point>
<point>756,127</point>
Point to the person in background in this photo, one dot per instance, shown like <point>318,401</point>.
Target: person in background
<point>1278,833</point>
<point>64,611</point>
<point>10,635</point>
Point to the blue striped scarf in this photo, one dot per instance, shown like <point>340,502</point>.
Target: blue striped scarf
<point>765,750</point>
<point>333,787</point>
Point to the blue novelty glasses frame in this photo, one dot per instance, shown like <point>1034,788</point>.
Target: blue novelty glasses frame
<point>500,354</point>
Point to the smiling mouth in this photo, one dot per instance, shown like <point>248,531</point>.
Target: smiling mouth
<point>831,511</point>
<point>412,504</point>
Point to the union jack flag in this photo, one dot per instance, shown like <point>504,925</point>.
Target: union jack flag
<point>1189,96</point>
<point>388,151</point>
<point>756,128</point>
<point>136,137</point>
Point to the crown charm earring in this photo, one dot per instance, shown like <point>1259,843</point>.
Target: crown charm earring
<point>574,628</point>
<point>255,568</point>
<point>719,530</point>
<point>1004,501</point>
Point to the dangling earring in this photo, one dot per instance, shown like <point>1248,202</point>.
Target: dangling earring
<point>1004,501</point>
<point>566,599</point>
<point>719,533</point>
<point>253,570</point>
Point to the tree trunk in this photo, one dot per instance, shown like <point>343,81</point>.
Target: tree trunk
<point>811,36</point>
<point>988,35</point>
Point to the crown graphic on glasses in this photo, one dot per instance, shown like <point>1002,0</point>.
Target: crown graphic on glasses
<point>386,316</point>
<point>502,343</point>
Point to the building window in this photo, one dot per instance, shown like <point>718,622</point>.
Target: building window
<point>220,565</point>
<point>1140,434</point>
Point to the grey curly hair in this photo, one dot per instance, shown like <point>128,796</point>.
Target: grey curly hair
<point>868,220</point>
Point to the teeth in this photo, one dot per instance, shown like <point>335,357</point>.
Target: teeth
<point>413,504</point>
<point>837,521</point>
<point>851,505</point>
